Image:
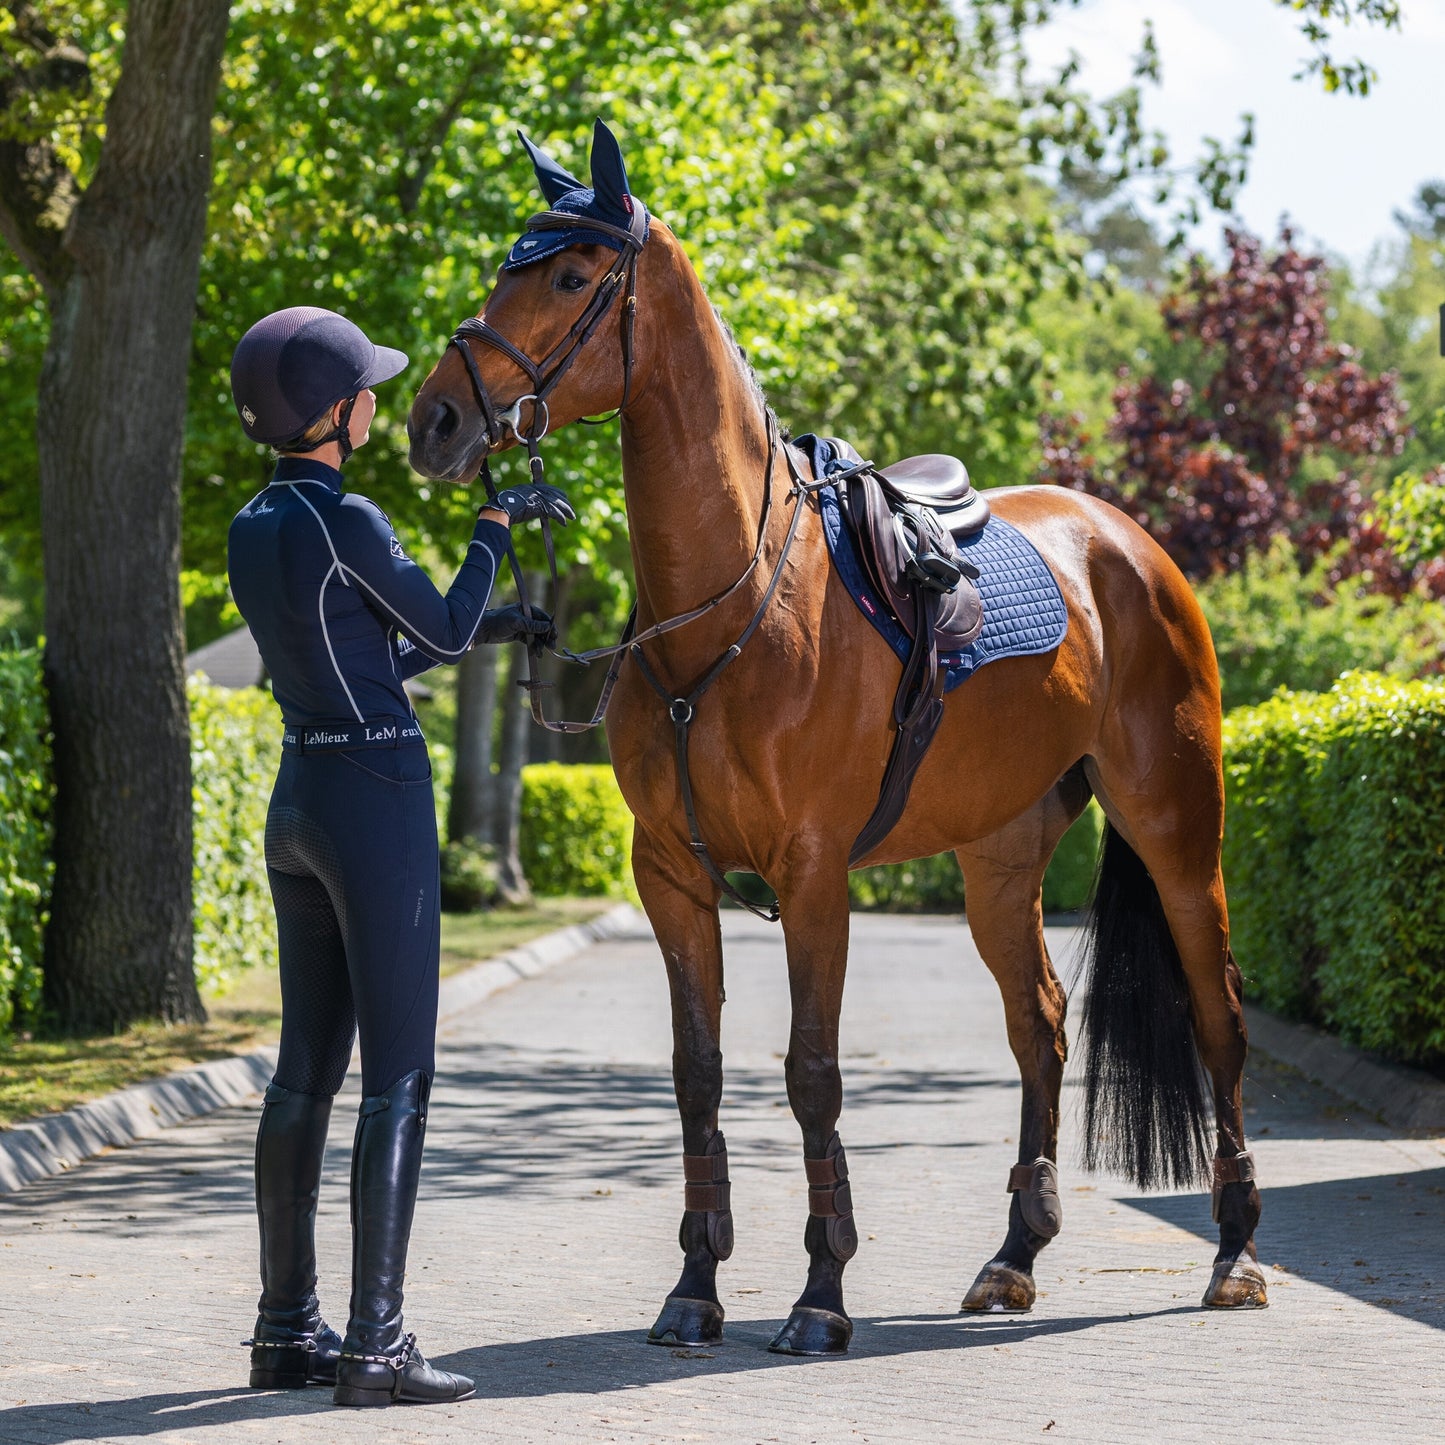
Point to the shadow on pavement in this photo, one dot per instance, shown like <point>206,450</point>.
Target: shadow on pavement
<point>504,1122</point>
<point>600,1363</point>
<point>1378,1238</point>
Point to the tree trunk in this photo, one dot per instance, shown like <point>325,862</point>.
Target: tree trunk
<point>111,416</point>
<point>469,809</point>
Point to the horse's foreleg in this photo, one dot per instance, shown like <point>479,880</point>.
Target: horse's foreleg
<point>815,922</point>
<point>1003,878</point>
<point>685,919</point>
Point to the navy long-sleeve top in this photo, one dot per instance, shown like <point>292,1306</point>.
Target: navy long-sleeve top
<point>340,613</point>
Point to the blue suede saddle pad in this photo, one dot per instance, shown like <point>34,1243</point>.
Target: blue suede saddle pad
<point>1023,609</point>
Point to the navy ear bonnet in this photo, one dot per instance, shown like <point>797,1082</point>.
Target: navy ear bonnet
<point>607,200</point>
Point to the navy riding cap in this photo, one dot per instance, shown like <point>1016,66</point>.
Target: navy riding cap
<point>293,365</point>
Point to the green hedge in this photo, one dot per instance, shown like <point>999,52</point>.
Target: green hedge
<point>935,885</point>
<point>235,751</point>
<point>576,831</point>
<point>577,838</point>
<point>1335,859</point>
<point>25,868</point>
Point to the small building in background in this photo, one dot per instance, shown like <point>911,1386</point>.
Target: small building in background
<point>235,661</point>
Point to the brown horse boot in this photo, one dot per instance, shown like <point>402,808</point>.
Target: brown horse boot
<point>1005,1285</point>
<point>380,1364</point>
<point>815,1327</point>
<point>292,1345</point>
<point>1237,1281</point>
<point>691,1314</point>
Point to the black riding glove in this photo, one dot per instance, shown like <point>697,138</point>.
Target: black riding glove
<point>535,501</point>
<point>511,624</point>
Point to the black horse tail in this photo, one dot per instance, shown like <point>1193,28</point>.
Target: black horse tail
<point>1145,1109</point>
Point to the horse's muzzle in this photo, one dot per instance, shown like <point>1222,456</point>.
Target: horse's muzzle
<point>443,443</point>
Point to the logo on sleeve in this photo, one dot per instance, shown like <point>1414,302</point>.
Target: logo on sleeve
<point>396,549</point>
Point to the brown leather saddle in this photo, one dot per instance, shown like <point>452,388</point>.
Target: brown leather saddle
<point>905,519</point>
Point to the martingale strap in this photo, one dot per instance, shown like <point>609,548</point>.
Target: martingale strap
<point>682,707</point>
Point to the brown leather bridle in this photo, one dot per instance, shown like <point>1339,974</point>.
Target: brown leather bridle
<point>544,376</point>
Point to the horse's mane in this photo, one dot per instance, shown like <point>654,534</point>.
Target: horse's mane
<point>748,375</point>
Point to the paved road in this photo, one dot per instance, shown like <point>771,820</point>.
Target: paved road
<point>545,1241</point>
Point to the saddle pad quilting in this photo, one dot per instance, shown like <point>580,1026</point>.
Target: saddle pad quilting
<point>1023,609</point>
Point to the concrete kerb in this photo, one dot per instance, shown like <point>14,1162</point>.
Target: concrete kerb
<point>39,1148</point>
<point>1403,1098</point>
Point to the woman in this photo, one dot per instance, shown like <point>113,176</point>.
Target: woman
<point>342,617</point>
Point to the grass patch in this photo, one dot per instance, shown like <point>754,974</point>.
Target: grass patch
<point>45,1075</point>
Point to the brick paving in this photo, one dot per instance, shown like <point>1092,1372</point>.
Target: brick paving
<point>545,1241</point>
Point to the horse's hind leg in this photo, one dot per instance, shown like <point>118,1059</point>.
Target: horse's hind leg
<point>1199,922</point>
<point>1173,831</point>
<point>1003,878</point>
<point>815,923</point>
<point>685,920</point>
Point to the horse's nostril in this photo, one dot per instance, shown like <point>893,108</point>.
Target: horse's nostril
<point>444,419</point>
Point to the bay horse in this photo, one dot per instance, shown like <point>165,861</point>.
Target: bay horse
<point>775,770</point>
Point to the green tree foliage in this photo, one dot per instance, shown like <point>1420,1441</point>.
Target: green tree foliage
<point>25,868</point>
<point>1276,625</point>
<point>923,236</point>
<point>387,184</point>
<point>857,186</point>
<point>1392,314</point>
<point>1411,513</point>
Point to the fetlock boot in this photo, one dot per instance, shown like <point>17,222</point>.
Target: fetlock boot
<point>380,1364</point>
<point>293,1346</point>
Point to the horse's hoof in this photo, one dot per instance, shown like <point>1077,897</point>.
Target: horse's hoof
<point>813,1332</point>
<point>1237,1284</point>
<point>687,1322</point>
<point>1000,1290</point>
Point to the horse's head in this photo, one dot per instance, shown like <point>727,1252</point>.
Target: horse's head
<point>523,365</point>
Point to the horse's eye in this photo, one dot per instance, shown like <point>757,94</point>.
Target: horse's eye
<point>570,281</point>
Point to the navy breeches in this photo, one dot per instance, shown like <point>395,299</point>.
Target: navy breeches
<point>351,853</point>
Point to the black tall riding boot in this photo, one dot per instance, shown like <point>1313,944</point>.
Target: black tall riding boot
<point>293,1345</point>
<point>379,1364</point>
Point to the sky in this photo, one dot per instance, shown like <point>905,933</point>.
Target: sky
<point>1338,165</point>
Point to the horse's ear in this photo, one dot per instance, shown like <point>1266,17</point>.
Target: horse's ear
<point>609,176</point>
<point>554,181</point>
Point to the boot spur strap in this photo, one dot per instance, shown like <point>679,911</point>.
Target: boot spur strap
<point>306,1344</point>
<point>399,1361</point>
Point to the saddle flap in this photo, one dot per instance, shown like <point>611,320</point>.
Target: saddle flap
<point>906,550</point>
